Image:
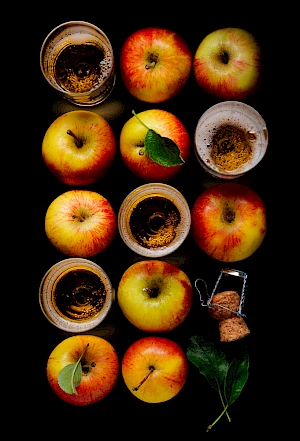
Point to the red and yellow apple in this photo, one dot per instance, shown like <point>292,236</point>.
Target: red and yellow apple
<point>155,64</point>
<point>228,221</point>
<point>134,152</point>
<point>99,365</point>
<point>80,223</point>
<point>227,64</point>
<point>154,295</point>
<point>79,147</point>
<point>154,369</point>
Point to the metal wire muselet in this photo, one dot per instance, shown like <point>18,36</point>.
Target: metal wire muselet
<point>220,305</point>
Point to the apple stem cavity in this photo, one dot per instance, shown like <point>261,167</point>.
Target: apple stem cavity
<point>229,216</point>
<point>78,141</point>
<point>151,369</point>
<point>152,292</point>
<point>152,61</point>
<point>224,57</point>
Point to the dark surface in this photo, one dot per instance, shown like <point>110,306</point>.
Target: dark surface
<point>197,405</point>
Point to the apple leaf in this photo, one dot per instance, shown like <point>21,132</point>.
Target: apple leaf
<point>69,377</point>
<point>228,378</point>
<point>210,362</point>
<point>236,378</point>
<point>160,149</point>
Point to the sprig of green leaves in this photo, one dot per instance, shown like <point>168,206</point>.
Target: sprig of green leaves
<point>228,378</point>
<point>160,149</point>
<point>69,377</point>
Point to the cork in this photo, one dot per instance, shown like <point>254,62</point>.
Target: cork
<point>223,307</point>
<point>233,329</point>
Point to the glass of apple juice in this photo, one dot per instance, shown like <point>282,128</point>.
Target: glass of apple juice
<point>154,220</point>
<point>77,60</point>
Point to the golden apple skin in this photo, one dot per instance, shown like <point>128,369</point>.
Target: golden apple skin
<point>227,64</point>
<point>162,362</point>
<point>154,295</point>
<point>98,382</point>
<point>80,223</point>
<point>132,147</point>
<point>155,64</point>
<point>228,221</point>
<point>85,158</point>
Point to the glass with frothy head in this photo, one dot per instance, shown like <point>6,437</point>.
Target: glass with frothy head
<point>154,220</point>
<point>77,60</point>
<point>231,138</point>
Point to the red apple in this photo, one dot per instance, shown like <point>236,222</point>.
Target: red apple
<point>228,221</point>
<point>80,223</point>
<point>98,363</point>
<point>134,150</point>
<point>79,147</point>
<point>154,369</point>
<point>154,295</point>
<point>227,64</point>
<point>155,64</point>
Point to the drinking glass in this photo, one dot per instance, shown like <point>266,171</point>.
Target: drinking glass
<point>154,220</point>
<point>231,138</point>
<point>77,60</point>
<point>76,295</point>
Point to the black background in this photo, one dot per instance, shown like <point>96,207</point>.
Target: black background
<point>197,405</point>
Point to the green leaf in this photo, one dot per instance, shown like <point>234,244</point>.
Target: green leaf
<point>70,377</point>
<point>236,378</point>
<point>211,362</point>
<point>162,150</point>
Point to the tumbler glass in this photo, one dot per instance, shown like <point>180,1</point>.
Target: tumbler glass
<point>77,60</point>
<point>231,138</point>
<point>154,220</point>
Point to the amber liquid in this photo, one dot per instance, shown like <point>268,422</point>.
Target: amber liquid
<point>153,222</point>
<point>79,295</point>
<point>81,68</point>
<point>231,147</point>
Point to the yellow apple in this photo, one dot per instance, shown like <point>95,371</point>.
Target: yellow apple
<point>80,223</point>
<point>133,150</point>
<point>99,365</point>
<point>154,295</point>
<point>155,64</point>
<point>79,147</point>
<point>154,369</point>
<point>228,221</point>
<point>227,64</point>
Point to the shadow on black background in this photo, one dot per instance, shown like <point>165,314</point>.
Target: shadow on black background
<point>197,405</point>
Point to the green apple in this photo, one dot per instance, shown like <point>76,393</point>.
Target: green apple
<point>79,147</point>
<point>227,64</point>
<point>154,295</point>
<point>154,369</point>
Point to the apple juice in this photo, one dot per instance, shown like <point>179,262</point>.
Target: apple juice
<point>153,221</point>
<point>79,295</point>
<point>82,67</point>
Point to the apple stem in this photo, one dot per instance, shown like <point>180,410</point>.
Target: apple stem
<point>78,142</point>
<point>152,61</point>
<point>139,119</point>
<point>151,369</point>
